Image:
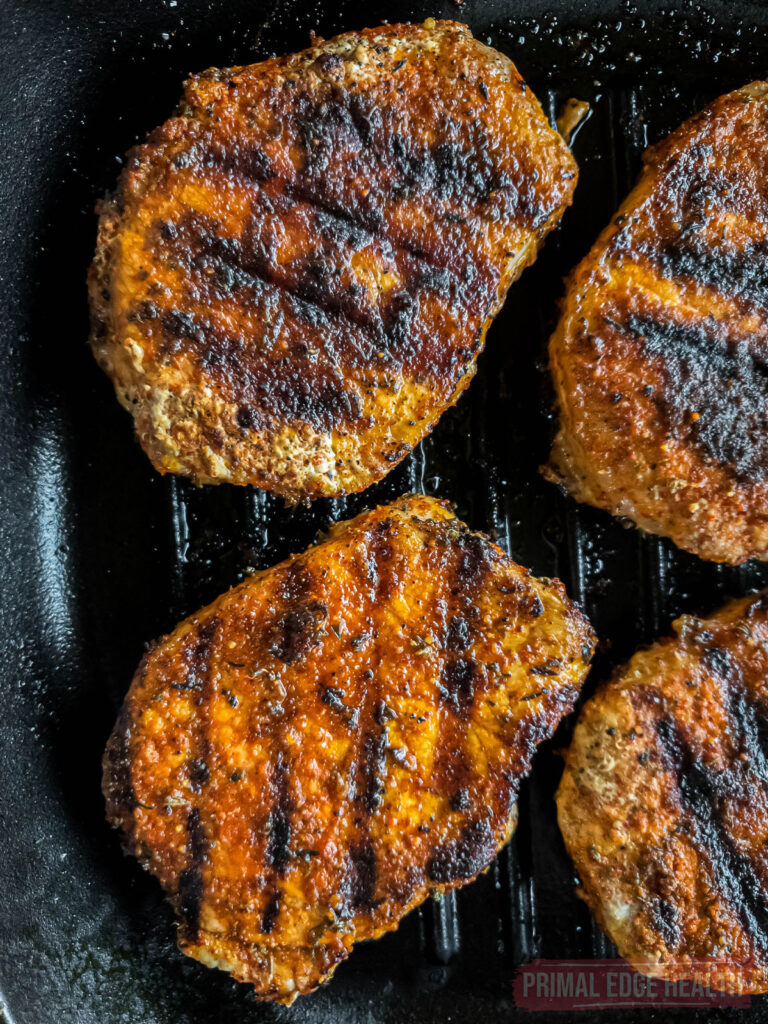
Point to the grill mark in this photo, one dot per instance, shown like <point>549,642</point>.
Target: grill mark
<point>358,878</point>
<point>361,221</point>
<point>297,632</point>
<point>741,275</point>
<point>229,276</point>
<point>237,264</point>
<point>367,769</point>
<point>122,797</point>
<point>751,728</point>
<point>334,124</point>
<point>474,562</point>
<point>663,913</point>
<point>699,188</point>
<point>470,280</point>
<point>465,568</point>
<point>199,774</point>
<point>299,387</point>
<point>197,661</point>
<point>333,698</point>
<point>462,628</point>
<point>457,689</point>
<point>374,768</point>
<point>197,681</point>
<point>271,912</point>
<point>200,667</point>
<point>277,853</point>
<point>291,637</point>
<point>220,265</point>
<point>382,571</point>
<point>348,333</point>
<point>451,169</point>
<point>362,876</point>
<point>464,857</point>
<point>190,892</point>
<point>725,382</point>
<point>312,299</point>
<point>459,676</point>
<point>748,730</point>
<point>369,221</point>
<point>363,218</point>
<point>733,874</point>
<point>246,160</point>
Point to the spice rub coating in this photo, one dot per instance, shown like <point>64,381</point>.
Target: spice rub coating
<point>308,758</point>
<point>664,802</point>
<point>295,274</point>
<point>659,361</point>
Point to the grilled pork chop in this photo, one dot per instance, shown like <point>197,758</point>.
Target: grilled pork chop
<point>663,802</point>
<point>659,360</point>
<point>305,760</point>
<point>294,277</point>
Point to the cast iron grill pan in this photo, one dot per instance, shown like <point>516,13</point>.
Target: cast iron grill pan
<point>102,554</point>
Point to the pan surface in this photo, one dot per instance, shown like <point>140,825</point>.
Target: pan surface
<point>101,554</point>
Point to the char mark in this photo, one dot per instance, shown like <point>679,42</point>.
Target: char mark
<point>473,563</point>
<point>191,878</point>
<point>297,632</point>
<point>460,167</point>
<point>278,850</point>
<point>464,857</point>
<point>333,698</point>
<point>310,289</point>
<point>457,686</point>
<point>460,800</point>
<point>374,769</point>
<point>740,274</point>
<point>271,912</point>
<point>732,872</point>
<point>725,382</point>
<point>362,876</point>
<point>197,660</point>
<point>357,887</point>
<point>663,915</point>
<point>277,853</point>
<point>461,630</point>
<point>198,773</point>
<point>119,782</point>
<point>748,730</point>
<point>242,159</point>
<point>380,571</point>
<point>339,331</point>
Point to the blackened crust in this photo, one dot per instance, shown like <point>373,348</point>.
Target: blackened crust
<point>663,343</point>
<point>294,277</point>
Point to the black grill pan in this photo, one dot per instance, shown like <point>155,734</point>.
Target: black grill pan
<point>100,554</point>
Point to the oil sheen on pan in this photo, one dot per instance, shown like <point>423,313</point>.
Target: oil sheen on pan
<point>295,274</point>
<point>662,343</point>
<point>309,757</point>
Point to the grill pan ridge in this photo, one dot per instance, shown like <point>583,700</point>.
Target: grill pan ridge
<point>103,554</point>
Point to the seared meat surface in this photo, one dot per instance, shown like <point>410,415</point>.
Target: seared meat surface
<point>659,360</point>
<point>294,277</point>
<point>308,758</point>
<point>663,804</point>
